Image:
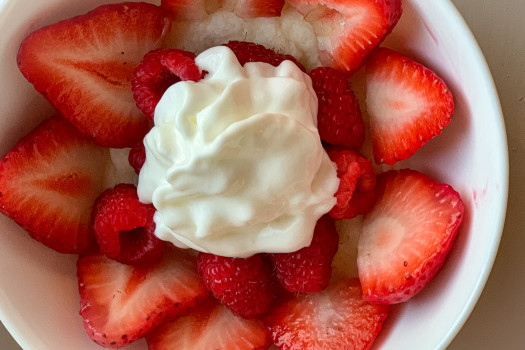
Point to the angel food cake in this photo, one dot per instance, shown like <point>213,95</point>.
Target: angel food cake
<point>223,225</point>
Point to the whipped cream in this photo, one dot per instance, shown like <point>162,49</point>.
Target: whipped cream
<point>234,164</point>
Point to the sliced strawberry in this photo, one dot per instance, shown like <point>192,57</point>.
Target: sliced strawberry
<point>121,303</point>
<point>48,183</point>
<point>408,105</point>
<point>348,30</point>
<point>336,318</point>
<point>84,65</point>
<point>199,9</point>
<point>186,9</point>
<point>406,235</point>
<point>211,326</point>
<point>258,8</point>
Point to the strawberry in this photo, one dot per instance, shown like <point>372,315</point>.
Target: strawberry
<point>181,10</point>
<point>243,285</point>
<point>199,9</point>
<point>258,8</point>
<point>339,119</point>
<point>48,183</point>
<point>408,105</point>
<point>333,319</point>
<point>121,303</point>
<point>348,30</point>
<point>309,269</point>
<point>84,65</point>
<point>210,326</point>
<point>406,235</point>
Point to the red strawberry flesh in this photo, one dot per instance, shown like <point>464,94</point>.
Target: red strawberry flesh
<point>84,65</point>
<point>406,235</point>
<point>408,105</point>
<point>210,326</point>
<point>200,9</point>
<point>348,30</point>
<point>121,303</point>
<point>258,8</point>
<point>333,319</point>
<point>48,183</point>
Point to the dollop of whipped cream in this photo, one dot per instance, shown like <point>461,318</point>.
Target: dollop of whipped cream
<point>234,164</point>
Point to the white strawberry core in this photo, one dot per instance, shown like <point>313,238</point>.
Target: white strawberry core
<point>392,103</point>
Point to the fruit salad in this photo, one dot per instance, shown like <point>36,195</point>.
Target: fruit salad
<point>207,158</point>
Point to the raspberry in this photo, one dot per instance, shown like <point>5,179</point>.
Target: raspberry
<point>137,156</point>
<point>309,269</point>
<point>339,118</point>
<point>244,285</point>
<point>249,52</point>
<point>159,70</point>
<point>357,180</point>
<point>124,227</point>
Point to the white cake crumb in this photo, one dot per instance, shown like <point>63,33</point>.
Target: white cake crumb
<point>289,34</point>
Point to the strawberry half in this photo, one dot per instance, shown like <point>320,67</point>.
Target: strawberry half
<point>333,319</point>
<point>48,183</point>
<point>84,66</point>
<point>258,8</point>
<point>121,303</point>
<point>406,235</point>
<point>199,9</point>
<point>210,326</point>
<point>408,105</point>
<point>348,30</point>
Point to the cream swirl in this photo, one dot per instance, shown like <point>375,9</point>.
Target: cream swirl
<point>234,164</point>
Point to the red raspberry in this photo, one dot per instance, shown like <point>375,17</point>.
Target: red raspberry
<point>357,180</point>
<point>124,227</point>
<point>137,156</point>
<point>159,70</point>
<point>249,52</point>
<point>339,118</point>
<point>244,285</point>
<point>309,269</point>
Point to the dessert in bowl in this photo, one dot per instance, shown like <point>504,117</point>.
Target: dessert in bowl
<point>40,299</point>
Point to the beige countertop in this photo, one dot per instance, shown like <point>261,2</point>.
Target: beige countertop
<point>498,318</point>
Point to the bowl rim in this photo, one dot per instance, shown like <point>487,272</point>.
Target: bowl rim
<point>15,324</point>
<point>502,164</point>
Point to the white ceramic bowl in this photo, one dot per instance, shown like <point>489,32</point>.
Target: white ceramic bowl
<point>38,287</point>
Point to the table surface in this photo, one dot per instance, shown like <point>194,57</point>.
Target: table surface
<point>498,318</point>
